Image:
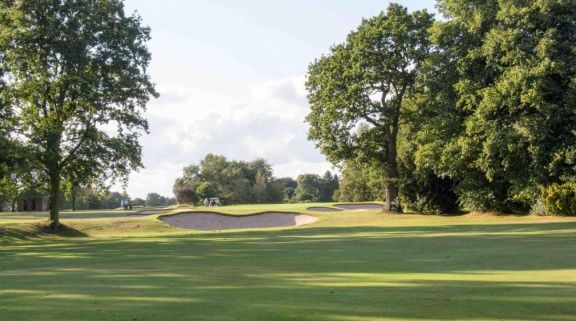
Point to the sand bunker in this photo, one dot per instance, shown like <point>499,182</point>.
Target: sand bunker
<point>150,212</point>
<point>323,209</point>
<point>206,221</point>
<point>147,212</point>
<point>364,206</point>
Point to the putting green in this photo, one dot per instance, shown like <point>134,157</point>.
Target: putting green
<point>346,266</point>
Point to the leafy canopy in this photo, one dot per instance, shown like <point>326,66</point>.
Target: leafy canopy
<point>76,82</point>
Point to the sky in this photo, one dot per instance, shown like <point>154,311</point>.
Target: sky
<point>231,80</point>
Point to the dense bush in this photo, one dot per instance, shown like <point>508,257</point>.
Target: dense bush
<point>539,209</point>
<point>185,194</point>
<point>560,199</point>
<point>206,190</point>
<point>428,193</point>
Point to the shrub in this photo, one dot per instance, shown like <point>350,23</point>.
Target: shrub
<point>336,195</point>
<point>185,195</point>
<point>205,190</point>
<point>560,199</point>
<point>539,209</point>
<point>424,192</point>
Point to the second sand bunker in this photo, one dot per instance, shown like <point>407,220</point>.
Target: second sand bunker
<point>206,221</point>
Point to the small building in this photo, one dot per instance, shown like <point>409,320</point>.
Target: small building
<point>32,202</point>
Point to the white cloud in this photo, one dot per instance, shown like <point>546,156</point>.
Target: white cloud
<point>188,123</point>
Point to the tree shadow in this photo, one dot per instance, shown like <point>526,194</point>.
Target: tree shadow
<point>10,233</point>
<point>449,272</point>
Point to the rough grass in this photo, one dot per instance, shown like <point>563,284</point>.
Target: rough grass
<point>348,266</point>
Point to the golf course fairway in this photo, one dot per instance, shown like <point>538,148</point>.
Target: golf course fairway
<point>346,266</point>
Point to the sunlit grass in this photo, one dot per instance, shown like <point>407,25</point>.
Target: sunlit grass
<point>361,266</point>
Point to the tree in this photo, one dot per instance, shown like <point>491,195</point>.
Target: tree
<point>364,81</point>
<point>287,185</point>
<point>109,199</point>
<point>360,182</point>
<point>206,190</point>
<point>327,185</point>
<point>15,174</point>
<point>502,120</point>
<point>308,187</point>
<point>261,187</point>
<point>138,202</point>
<point>76,77</point>
<point>155,199</point>
<point>234,182</point>
<point>79,175</point>
<point>286,182</point>
<point>185,194</point>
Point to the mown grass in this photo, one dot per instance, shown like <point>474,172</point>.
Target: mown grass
<point>347,266</point>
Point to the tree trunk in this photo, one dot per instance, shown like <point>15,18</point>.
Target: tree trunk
<point>53,199</point>
<point>391,189</point>
<point>74,198</point>
<point>392,176</point>
<point>391,137</point>
<point>391,195</point>
<point>54,171</point>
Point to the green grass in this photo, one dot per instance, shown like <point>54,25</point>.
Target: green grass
<point>357,266</point>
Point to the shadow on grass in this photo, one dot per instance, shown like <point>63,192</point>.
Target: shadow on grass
<point>10,233</point>
<point>460,272</point>
<point>66,215</point>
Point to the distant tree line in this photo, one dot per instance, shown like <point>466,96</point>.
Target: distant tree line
<point>476,111</point>
<point>154,199</point>
<point>84,199</point>
<point>240,182</point>
<point>92,199</point>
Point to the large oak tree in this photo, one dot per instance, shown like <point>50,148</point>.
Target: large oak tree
<point>499,109</point>
<point>75,78</point>
<point>357,91</point>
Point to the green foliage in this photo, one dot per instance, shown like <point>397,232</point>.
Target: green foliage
<point>238,182</point>
<point>71,70</point>
<point>497,103</point>
<point>327,185</point>
<point>421,189</point>
<point>89,198</point>
<point>361,182</point>
<point>423,192</point>
<point>138,202</point>
<point>560,199</point>
<point>289,193</point>
<point>539,209</point>
<point>336,195</point>
<point>356,92</point>
<point>313,188</point>
<point>308,187</point>
<point>206,190</point>
<point>184,193</point>
<point>288,187</point>
<point>234,182</point>
<point>155,199</point>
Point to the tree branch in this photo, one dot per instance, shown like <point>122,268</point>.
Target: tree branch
<point>75,149</point>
